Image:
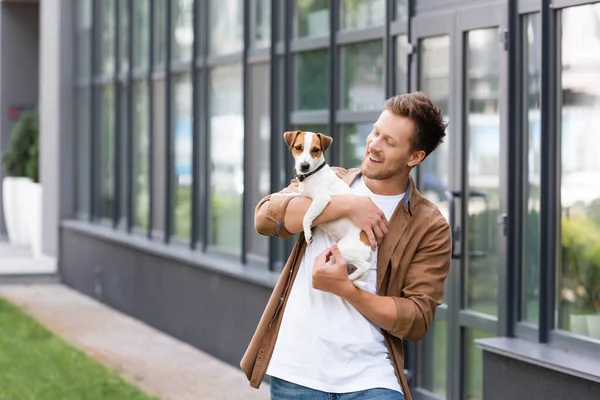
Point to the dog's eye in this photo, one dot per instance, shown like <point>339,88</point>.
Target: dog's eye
<point>298,147</point>
<point>315,150</point>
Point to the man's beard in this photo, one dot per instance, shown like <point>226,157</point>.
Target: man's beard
<point>381,175</point>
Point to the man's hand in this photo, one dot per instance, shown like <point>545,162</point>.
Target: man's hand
<point>368,217</point>
<point>333,278</point>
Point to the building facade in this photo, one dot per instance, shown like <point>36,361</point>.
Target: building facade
<point>164,123</point>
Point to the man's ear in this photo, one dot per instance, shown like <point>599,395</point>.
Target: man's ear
<point>416,158</point>
<point>325,141</point>
<point>290,137</point>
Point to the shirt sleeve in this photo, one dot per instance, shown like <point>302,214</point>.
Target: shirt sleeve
<point>270,223</point>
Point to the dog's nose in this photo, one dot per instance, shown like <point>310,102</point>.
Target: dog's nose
<point>304,167</point>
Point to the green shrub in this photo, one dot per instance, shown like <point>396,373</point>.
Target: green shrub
<point>22,157</point>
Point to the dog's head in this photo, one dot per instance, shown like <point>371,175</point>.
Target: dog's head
<point>307,149</point>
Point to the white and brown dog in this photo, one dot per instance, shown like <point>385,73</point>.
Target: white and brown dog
<point>319,182</point>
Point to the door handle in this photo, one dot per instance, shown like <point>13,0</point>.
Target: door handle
<point>455,229</point>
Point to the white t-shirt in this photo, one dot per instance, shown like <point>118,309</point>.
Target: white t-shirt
<point>323,342</point>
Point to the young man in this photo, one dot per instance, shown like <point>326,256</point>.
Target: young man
<point>320,337</point>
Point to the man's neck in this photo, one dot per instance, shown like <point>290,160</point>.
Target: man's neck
<point>389,187</point>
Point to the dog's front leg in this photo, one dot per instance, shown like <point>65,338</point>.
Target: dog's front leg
<point>316,208</point>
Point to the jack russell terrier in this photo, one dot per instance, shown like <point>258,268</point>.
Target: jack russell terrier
<point>319,182</point>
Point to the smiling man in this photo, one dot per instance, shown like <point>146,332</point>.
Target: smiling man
<point>320,337</point>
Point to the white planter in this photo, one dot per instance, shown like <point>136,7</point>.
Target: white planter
<point>593,322</point>
<point>15,195</point>
<point>35,218</point>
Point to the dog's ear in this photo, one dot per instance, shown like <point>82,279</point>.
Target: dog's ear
<point>290,137</point>
<point>325,141</point>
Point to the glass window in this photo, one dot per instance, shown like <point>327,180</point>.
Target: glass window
<point>433,354</point>
<point>434,74</point>
<point>83,137</point>
<point>124,34</point>
<point>483,206</point>
<point>261,23</point>
<point>107,37</point>
<point>260,142</point>
<point>226,156</point>
<point>579,262</point>
<point>354,143</point>
<point>183,29</point>
<point>362,81</point>
<point>141,33</point>
<point>532,54</point>
<point>311,80</point>
<point>402,10</point>
<point>474,364</point>
<point>226,26</point>
<point>122,137</point>
<point>362,14</point>
<point>84,38</point>
<point>182,146</point>
<point>159,162</point>
<point>311,18</point>
<point>107,153</point>
<point>401,64</point>
<point>141,154</point>
<point>160,31</point>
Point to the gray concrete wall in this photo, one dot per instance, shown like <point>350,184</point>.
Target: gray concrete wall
<point>19,60</point>
<point>56,105</point>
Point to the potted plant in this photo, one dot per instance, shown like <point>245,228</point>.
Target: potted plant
<point>16,183</point>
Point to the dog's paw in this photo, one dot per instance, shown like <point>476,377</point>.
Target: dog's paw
<point>360,284</point>
<point>308,236</point>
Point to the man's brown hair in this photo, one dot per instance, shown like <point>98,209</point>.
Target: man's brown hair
<point>430,128</point>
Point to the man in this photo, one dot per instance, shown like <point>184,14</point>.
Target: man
<point>320,337</point>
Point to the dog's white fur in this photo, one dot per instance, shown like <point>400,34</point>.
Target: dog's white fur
<point>320,187</point>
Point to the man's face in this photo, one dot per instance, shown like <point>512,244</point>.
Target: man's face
<point>389,152</point>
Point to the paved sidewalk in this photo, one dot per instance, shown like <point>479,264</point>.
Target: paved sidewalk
<point>159,364</point>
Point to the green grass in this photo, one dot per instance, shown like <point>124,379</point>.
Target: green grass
<point>37,365</point>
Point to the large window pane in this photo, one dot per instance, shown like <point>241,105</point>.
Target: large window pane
<point>474,365</point>
<point>141,153</point>
<point>159,162</point>
<point>362,82</point>
<point>402,10</point>
<point>226,26</point>
<point>311,80</point>
<point>226,155</point>
<point>107,153</point>
<point>141,33</point>
<point>124,34</point>
<point>433,352</point>
<point>532,54</point>
<point>362,14</point>
<point>401,64</point>
<point>107,37</point>
<point>183,29</point>
<point>579,277</point>
<point>122,138</point>
<point>354,143</point>
<point>434,81</point>
<point>260,166</point>
<point>83,137</point>
<point>311,18</point>
<point>84,38</point>
<point>260,35</point>
<point>183,137</point>
<point>481,278</point>
<point>160,31</point>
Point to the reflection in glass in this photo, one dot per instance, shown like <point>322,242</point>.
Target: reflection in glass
<point>182,147</point>
<point>579,260</point>
<point>434,73</point>
<point>311,73</point>
<point>474,364</point>
<point>226,155</point>
<point>260,26</point>
<point>401,64</point>
<point>362,81</point>
<point>260,142</point>
<point>311,18</point>
<point>160,31</point>
<point>362,14</point>
<point>141,33</point>
<point>84,38</point>
<point>532,53</point>
<point>107,153</point>
<point>354,143</point>
<point>159,162</point>
<point>183,29</point>
<point>141,150</point>
<point>483,255</point>
<point>402,10</point>
<point>124,35</point>
<point>83,139</point>
<point>107,37</point>
<point>123,161</point>
<point>433,355</point>
<point>226,26</point>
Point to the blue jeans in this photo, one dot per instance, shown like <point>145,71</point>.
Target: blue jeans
<point>284,390</point>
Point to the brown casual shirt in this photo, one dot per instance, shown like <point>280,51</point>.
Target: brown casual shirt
<point>412,265</point>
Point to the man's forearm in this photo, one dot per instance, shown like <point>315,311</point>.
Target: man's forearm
<point>380,310</point>
<point>298,206</point>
